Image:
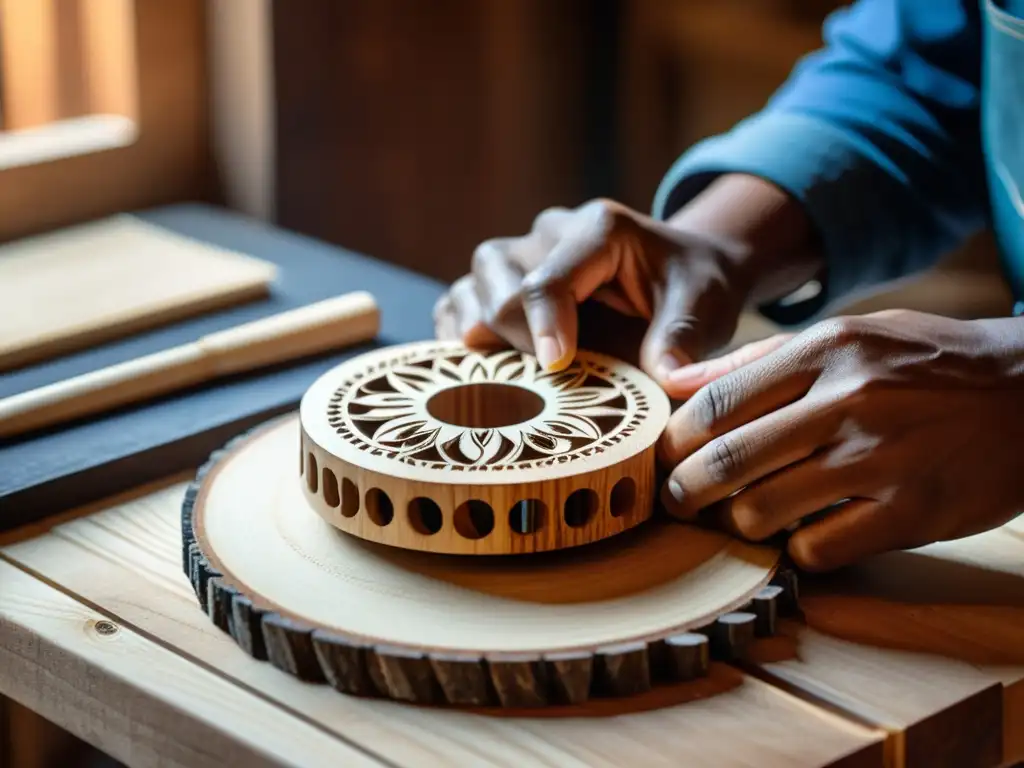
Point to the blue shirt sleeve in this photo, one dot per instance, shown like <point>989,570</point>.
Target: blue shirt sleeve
<point>877,135</point>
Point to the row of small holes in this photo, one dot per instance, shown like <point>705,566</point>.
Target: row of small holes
<point>473,519</point>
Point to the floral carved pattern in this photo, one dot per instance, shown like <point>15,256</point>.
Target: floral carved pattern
<point>384,410</point>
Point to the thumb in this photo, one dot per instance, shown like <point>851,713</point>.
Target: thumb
<point>684,382</point>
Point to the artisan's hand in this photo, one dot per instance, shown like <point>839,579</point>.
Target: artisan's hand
<point>910,424</point>
<point>524,291</point>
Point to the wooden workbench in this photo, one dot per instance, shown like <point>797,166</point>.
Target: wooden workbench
<point>915,660</point>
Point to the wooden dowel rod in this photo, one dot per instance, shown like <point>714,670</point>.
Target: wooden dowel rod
<point>342,321</point>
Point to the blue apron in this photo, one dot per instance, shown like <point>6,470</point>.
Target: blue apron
<point>1003,133</point>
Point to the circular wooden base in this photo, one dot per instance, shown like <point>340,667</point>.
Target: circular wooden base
<point>610,618</point>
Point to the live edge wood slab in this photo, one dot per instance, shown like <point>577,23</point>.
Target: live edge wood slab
<point>615,619</point>
<point>914,660</point>
<point>468,529</point>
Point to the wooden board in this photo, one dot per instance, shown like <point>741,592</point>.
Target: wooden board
<point>123,557</point>
<point>614,618</point>
<point>927,644</point>
<point>80,286</point>
<point>136,700</point>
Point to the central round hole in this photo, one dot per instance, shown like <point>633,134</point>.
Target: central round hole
<point>485,405</point>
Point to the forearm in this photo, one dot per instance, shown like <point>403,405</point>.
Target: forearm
<point>775,248</point>
<point>885,162</point>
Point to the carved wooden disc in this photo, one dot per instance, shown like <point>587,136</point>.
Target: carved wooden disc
<point>611,617</point>
<point>432,446</point>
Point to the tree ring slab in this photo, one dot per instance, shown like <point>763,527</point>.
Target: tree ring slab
<point>436,447</point>
<point>609,619</point>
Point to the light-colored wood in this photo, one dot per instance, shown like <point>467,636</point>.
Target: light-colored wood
<point>124,557</point>
<point>925,645</point>
<point>554,628</point>
<point>110,279</point>
<point>330,324</point>
<point>136,700</point>
<point>435,447</point>
<point>659,579</point>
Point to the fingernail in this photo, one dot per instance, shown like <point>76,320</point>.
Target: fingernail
<point>549,351</point>
<point>672,495</point>
<point>676,490</point>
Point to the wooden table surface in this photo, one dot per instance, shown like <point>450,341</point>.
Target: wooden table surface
<point>916,659</point>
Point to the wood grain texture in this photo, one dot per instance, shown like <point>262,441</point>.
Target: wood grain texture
<point>110,279</point>
<point>926,644</point>
<point>431,446</point>
<point>136,700</point>
<point>894,651</point>
<point>903,662</point>
<point>125,556</point>
<point>398,655</point>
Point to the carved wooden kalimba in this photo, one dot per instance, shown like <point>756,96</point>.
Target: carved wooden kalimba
<point>442,525</point>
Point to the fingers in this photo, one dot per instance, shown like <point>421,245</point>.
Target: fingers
<point>683,383</point>
<point>524,291</point>
<point>853,531</point>
<point>468,317</point>
<point>770,382</point>
<point>743,456</point>
<point>580,262</point>
<point>779,500</point>
<point>444,319</point>
<point>548,227</point>
<point>673,337</point>
<point>497,279</point>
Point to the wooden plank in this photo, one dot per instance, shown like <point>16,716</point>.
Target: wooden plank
<point>126,559</point>
<point>136,700</point>
<point>110,279</point>
<point>927,644</point>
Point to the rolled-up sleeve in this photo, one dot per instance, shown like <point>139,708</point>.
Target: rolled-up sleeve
<point>877,135</point>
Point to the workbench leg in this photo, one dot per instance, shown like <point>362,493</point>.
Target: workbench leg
<point>30,741</point>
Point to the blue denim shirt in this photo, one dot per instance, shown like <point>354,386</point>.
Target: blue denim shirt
<point>902,137</point>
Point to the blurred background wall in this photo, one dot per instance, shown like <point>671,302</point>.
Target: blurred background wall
<point>414,130</point>
<point>410,130</point>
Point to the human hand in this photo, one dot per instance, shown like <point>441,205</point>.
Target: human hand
<point>525,291</point>
<point>902,428</point>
